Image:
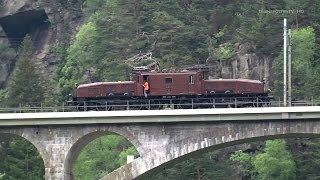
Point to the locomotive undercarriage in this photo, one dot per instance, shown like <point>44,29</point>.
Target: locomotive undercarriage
<point>170,102</point>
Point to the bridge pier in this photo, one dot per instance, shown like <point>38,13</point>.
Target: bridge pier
<point>52,143</point>
<point>59,146</point>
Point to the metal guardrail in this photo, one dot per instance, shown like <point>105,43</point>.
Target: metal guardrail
<point>153,106</point>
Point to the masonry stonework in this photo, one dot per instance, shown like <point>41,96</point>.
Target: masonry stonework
<point>159,144</point>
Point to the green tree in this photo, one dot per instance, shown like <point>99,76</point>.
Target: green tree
<point>304,67</point>
<point>244,164</point>
<point>306,153</point>
<point>262,27</point>
<point>3,98</point>
<point>26,86</point>
<point>19,160</point>
<point>275,163</point>
<point>120,29</point>
<point>92,6</point>
<point>208,166</point>
<point>102,156</point>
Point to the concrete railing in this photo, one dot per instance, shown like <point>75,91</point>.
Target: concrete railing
<point>153,106</point>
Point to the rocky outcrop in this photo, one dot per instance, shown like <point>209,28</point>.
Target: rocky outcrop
<point>246,65</point>
<point>50,23</point>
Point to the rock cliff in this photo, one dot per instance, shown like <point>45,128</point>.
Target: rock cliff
<point>246,65</point>
<point>50,23</point>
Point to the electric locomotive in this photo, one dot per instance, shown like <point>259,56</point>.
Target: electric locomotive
<point>178,90</point>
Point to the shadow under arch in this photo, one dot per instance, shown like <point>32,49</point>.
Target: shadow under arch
<point>11,136</point>
<point>198,152</point>
<point>77,147</point>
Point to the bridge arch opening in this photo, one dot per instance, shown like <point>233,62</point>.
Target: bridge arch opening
<point>20,158</point>
<point>99,150</point>
<point>224,145</point>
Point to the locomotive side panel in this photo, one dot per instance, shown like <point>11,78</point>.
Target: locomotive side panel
<point>97,90</point>
<point>220,86</point>
<point>250,87</point>
<point>174,84</point>
<point>235,86</point>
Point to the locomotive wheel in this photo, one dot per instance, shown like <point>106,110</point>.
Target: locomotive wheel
<point>144,108</point>
<point>155,105</point>
<point>147,105</point>
<point>257,103</point>
<point>185,104</point>
<point>82,107</point>
<point>205,104</point>
<point>79,108</point>
<point>230,106</point>
<point>101,107</point>
<point>136,106</point>
<point>267,104</point>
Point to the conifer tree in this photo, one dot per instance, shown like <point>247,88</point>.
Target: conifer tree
<point>26,87</point>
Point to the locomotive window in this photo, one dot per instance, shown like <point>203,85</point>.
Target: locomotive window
<point>191,80</point>
<point>168,80</point>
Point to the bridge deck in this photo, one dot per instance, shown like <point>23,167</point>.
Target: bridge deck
<point>152,116</point>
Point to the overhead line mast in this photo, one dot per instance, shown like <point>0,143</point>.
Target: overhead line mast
<point>285,62</point>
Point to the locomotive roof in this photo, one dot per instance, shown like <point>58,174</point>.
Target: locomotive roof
<point>238,80</point>
<point>106,83</point>
<point>172,73</point>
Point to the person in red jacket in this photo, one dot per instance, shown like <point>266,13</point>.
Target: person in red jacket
<point>145,88</point>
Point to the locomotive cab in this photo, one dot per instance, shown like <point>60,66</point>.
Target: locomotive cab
<point>171,84</point>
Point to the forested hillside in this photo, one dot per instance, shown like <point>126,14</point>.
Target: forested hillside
<point>177,33</point>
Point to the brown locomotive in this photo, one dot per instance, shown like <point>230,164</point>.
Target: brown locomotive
<point>178,90</point>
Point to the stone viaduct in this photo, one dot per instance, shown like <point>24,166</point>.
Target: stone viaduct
<point>161,137</point>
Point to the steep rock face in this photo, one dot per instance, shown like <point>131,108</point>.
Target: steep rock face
<point>50,23</point>
<point>5,63</point>
<point>246,65</point>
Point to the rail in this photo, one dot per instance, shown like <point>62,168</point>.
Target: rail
<point>153,105</point>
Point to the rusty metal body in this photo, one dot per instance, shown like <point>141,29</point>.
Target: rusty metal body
<point>182,87</point>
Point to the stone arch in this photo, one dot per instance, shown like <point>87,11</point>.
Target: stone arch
<point>171,162</point>
<point>40,151</point>
<point>221,146</point>
<point>30,137</point>
<point>212,137</point>
<point>94,133</point>
<point>217,147</point>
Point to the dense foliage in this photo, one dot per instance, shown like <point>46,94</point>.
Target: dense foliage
<point>304,66</point>
<point>177,32</point>
<point>103,155</point>
<point>275,163</point>
<point>209,166</point>
<point>180,32</point>
<point>272,162</point>
<point>19,160</point>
